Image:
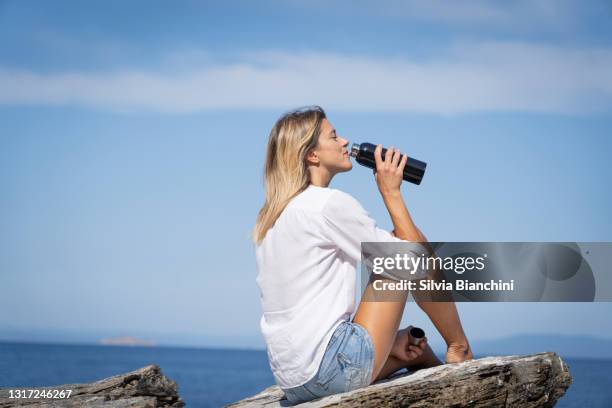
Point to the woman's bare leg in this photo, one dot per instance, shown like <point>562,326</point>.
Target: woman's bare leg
<point>381,320</point>
<point>446,319</point>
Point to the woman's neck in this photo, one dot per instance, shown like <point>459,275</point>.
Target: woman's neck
<point>320,178</point>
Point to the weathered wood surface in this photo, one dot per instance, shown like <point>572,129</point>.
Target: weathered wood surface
<point>146,387</point>
<point>537,380</point>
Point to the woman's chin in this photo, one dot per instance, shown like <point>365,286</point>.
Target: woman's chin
<point>343,168</point>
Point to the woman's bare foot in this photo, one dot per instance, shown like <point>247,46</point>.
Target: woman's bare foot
<point>458,352</point>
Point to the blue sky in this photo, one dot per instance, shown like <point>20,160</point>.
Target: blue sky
<point>132,138</point>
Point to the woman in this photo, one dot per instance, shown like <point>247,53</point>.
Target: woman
<point>308,243</point>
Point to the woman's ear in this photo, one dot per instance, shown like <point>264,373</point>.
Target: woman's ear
<point>312,157</point>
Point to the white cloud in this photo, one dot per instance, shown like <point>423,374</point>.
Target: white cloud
<point>471,78</point>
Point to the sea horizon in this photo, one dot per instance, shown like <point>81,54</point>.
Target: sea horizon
<point>564,345</point>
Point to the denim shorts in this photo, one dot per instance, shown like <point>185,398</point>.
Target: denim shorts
<point>347,365</point>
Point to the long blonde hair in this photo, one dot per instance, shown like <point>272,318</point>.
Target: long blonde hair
<point>285,172</point>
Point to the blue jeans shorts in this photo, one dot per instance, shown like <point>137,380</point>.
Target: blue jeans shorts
<point>347,365</point>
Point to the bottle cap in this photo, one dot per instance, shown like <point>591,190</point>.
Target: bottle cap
<point>416,335</point>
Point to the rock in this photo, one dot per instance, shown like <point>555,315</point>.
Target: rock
<point>146,387</point>
<point>537,380</point>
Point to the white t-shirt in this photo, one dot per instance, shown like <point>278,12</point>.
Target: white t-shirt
<point>306,275</point>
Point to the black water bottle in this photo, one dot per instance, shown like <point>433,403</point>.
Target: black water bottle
<point>364,155</point>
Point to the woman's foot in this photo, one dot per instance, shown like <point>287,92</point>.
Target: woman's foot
<point>458,352</point>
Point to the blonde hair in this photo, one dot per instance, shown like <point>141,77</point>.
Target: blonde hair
<point>285,172</point>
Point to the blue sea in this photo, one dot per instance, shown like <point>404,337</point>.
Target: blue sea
<point>213,377</point>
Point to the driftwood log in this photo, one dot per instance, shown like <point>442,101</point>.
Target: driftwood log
<point>517,381</point>
<point>144,388</point>
<point>537,380</point>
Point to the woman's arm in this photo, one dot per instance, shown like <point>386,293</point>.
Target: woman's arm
<point>389,174</point>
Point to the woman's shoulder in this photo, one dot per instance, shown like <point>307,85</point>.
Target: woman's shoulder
<point>312,199</point>
<point>342,203</point>
<point>326,209</point>
<point>325,201</point>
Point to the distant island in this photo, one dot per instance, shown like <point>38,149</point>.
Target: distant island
<point>126,341</point>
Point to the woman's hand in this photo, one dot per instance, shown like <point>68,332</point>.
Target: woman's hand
<point>389,172</point>
<point>403,350</point>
